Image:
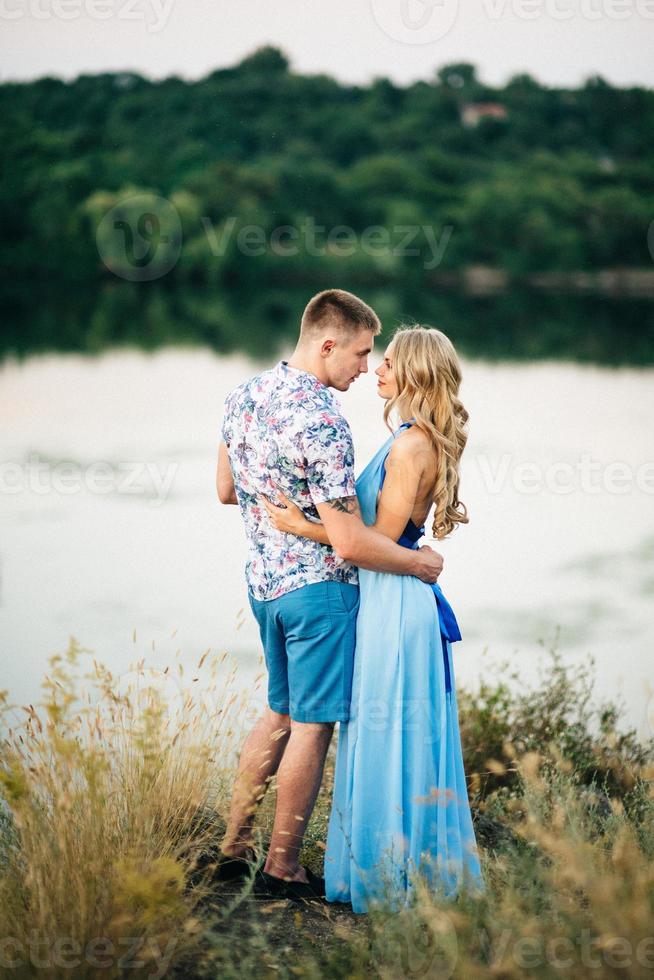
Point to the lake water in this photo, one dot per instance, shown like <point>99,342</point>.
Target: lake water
<point>112,532</point>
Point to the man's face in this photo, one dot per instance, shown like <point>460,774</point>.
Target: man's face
<point>348,358</point>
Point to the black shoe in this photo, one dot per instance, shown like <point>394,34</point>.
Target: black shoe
<point>269,886</point>
<point>317,883</point>
<point>232,868</point>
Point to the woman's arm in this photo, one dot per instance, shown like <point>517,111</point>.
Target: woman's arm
<point>292,520</point>
<point>405,466</point>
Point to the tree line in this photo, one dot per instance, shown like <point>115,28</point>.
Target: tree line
<point>272,179</point>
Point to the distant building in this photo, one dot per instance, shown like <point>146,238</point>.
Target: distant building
<point>472,112</point>
<point>126,79</point>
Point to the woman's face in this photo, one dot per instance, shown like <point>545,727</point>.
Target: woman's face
<point>386,384</point>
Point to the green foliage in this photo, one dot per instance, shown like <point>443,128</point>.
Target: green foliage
<point>562,183</point>
<point>559,719</point>
<point>112,807</point>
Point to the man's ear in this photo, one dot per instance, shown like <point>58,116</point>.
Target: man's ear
<point>327,347</point>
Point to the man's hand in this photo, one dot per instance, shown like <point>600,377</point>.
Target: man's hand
<point>430,564</point>
<point>366,548</point>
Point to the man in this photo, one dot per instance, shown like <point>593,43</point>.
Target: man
<point>284,430</point>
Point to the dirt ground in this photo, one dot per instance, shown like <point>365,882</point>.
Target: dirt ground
<point>243,927</point>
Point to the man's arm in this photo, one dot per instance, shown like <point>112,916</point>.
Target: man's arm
<point>224,478</point>
<point>356,543</point>
<point>405,466</point>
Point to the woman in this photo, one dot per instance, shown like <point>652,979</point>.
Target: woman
<point>400,797</point>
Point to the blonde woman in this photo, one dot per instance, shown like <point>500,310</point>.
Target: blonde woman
<point>400,798</point>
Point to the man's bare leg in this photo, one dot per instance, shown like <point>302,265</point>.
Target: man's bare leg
<point>260,758</point>
<point>298,781</point>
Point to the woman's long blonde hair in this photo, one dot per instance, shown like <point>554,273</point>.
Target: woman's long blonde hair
<point>428,375</point>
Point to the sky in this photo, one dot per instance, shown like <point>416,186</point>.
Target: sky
<point>559,42</point>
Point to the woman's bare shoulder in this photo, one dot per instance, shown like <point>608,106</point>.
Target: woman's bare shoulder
<point>411,444</point>
<point>410,440</point>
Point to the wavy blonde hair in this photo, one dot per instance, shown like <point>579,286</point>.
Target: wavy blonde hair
<point>428,375</point>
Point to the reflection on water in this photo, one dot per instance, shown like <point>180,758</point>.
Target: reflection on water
<point>515,325</point>
<point>111,525</point>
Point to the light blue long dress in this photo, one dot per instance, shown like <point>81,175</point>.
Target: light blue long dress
<point>400,797</point>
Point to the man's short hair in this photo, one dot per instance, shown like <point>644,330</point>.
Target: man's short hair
<point>340,310</point>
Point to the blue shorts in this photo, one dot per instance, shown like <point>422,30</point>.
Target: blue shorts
<point>308,638</point>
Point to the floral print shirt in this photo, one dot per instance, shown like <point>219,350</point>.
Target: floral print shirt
<point>284,430</point>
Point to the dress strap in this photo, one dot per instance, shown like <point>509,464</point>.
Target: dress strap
<point>383,472</point>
